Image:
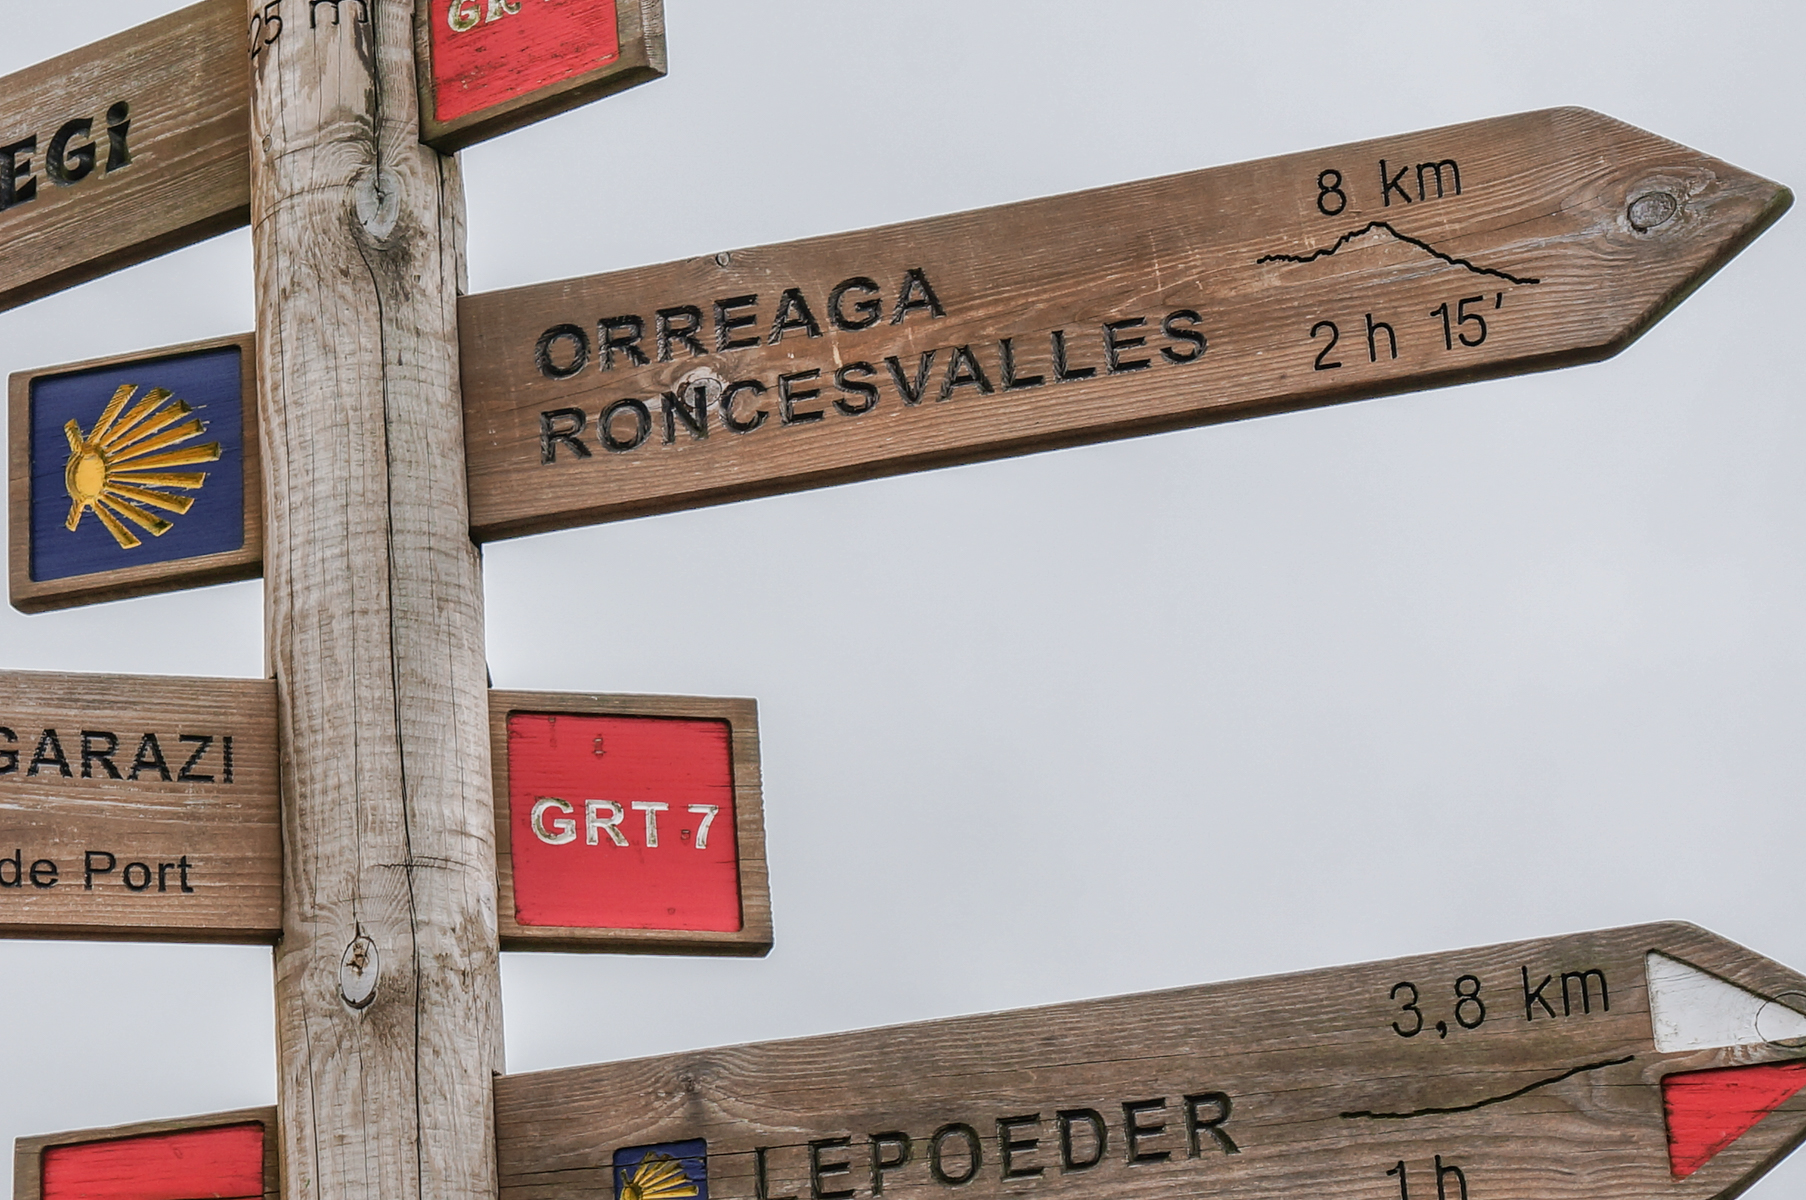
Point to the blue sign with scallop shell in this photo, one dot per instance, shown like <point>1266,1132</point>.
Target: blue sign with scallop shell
<point>137,463</point>
<point>666,1171</point>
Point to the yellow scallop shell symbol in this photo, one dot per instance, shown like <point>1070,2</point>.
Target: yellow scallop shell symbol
<point>658,1177</point>
<point>123,466</point>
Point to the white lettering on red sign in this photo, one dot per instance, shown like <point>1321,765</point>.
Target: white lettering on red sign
<point>605,816</point>
<point>468,14</point>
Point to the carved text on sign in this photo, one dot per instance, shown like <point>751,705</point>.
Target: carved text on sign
<point>99,868</point>
<point>811,391</point>
<point>67,156</point>
<point>629,822</point>
<point>1061,1139</point>
<point>267,22</point>
<point>101,754</point>
<point>136,806</point>
<point>605,817</point>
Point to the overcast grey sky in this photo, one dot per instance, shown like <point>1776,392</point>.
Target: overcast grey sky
<point>1473,665</point>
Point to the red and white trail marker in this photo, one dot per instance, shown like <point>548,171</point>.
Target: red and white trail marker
<point>1708,1110</point>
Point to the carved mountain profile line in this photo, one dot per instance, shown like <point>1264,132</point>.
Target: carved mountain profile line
<point>1406,238</point>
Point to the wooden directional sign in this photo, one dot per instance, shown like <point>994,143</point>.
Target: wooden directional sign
<point>134,475</point>
<point>1634,1063</point>
<point>1504,246</point>
<point>629,823</point>
<point>1653,1061</point>
<point>139,807</point>
<point>222,1156</point>
<point>488,66</point>
<point>123,150</point>
<point>1498,247</point>
<point>146,808</point>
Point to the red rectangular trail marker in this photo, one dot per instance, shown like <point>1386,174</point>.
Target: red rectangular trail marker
<point>679,774</point>
<point>629,823</point>
<point>489,66</point>
<point>223,1156</point>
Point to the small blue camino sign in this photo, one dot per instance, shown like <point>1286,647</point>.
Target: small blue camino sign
<point>136,465</point>
<point>665,1171</point>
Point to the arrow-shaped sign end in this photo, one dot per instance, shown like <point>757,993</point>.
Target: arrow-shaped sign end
<point>1684,213</point>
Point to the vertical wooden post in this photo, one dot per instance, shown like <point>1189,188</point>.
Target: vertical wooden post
<point>387,977</point>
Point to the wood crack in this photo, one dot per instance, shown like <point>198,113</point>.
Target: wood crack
<point>1461,1108</point>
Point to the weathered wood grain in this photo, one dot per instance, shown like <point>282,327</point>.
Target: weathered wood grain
<point>1296,1085</point>
<point>1546,197</point>
<point>755,934</point>
<point>32,595</point>
<point>28,1152</point>
<point>387,977</point>
<point>136,807</point>
<point>1558,235</point>
<point>531,67</point>
<point>182,80</point>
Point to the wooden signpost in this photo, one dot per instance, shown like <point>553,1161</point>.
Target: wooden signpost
<point>1592,1067</point>
<point>390,824</point>
<point>139,808</point>
<point>123,150</point>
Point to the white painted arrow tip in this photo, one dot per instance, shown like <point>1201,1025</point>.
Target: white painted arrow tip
<point>1692,1010</point>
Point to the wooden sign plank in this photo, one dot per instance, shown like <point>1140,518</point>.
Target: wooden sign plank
<point>629,824</point>
<point>1659,1060</point>
<point>134,474</point>
<point>1504,246</point>
<point>139,808</point>
<point>488,66</point>
<point>124,150</point>
<point>1498,247</point>
<point>224,1156</point>
<point>146,808</point>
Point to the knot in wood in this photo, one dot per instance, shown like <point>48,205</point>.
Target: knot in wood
<point>706,381</point>
<point>358,972</point>
<point>376,198</point>
<point>1651,209</point>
